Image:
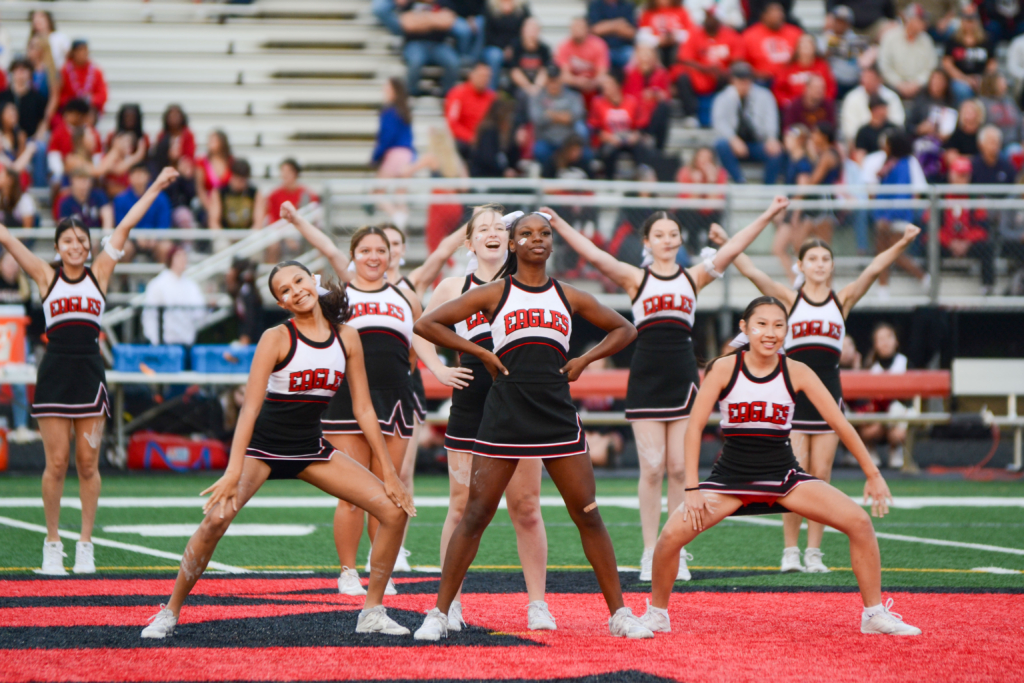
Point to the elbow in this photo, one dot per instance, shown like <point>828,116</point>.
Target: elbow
<point>629,333</point>
<point>421,328</point>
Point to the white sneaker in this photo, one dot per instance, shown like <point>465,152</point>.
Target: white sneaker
<point>455,620</point>
<point>896,457</point>
<point>623,623</point>
<point>926,282</point>
<point>646,564</point>
<point>161,624</point>
<point>390,588</point>
<point>53,559</point>
<point>23,435</point>
<point>435,626</point>
<point>882,292</point>
<point>656,619</point>
<point>887,623</point>
<point>348,582</point>
<point>813,563</point>
<point>376,620</point>
<point>85,562</point>
<point>684,572</point>
<point>791,560</point>
<point>402,562</point>
<point>538,617</point>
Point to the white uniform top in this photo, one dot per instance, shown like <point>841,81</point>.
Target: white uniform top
<point>898,367</point>
<point>815,326</point>
<point>79,301</point>
<point>383,310</point>
<point>475,328</point>
<point>663,299</point>
<point>757,406</point>
<point>532,315</point>
<point>310,369</point>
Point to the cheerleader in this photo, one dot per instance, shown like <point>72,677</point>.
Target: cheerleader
<point>296,370</point>
<point>663,377</point>
<point>383,315</point>
<point>486,237</point>
<point>71,386</point>
<point>756,393</point>
<point>528,413</point>
<point>817,326</point>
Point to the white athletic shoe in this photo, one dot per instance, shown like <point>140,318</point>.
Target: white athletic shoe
<point>896,457</point>
<point>348,582</point>
<point>624,624</point>
<point>85,562</point>
<point>813,563</point>
<point>684,572</point>
<point>402,562</point>
<point>53,559</point>
<point>646,564</point>
<point>791,561</point>
<point>538,617</point>
<point>435,626</point>
<point>376,620</point>
<point>656,619</point>
<point>161,624</point>
<point>455,620</point>
<point>390,588</point>
<point>887,623</point>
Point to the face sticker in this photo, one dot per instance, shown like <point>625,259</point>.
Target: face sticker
<point>522,241</point>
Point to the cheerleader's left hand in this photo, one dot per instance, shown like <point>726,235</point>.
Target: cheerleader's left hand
<point>395,490</point>
<point>224,492</point>
<point>877,490</point>
<point>574,368</point>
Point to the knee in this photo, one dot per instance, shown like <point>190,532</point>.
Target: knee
<point>87,468</point>
<point>588,520</point>
<point>57,464</point>
<point>214,526</point>
<point>676,471</point>
<point>391,515</point>
<point>653,474</point>
<point>860,526</point>
<point>822,471</point>
<point>476,518</point>
<point>526,515</point>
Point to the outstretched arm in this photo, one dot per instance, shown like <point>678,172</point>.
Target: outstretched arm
<point>319,239</point>
<point>853,292</point>
<point>624,275</point>
<point>422,277</point>
<point>40,271</point>
<point>738,243</point>
<point>620,331</point>
<point>765,284</point>
<point>435,325</point>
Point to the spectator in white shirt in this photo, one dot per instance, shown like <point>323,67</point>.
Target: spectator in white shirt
<point>177,299</point>
<point>855,112</point>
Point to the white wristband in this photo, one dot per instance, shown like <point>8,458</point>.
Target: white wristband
<point>707,255</point>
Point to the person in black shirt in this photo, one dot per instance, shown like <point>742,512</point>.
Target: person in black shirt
<point>969,55</point>
<point>964,140</point>
<point>426,27</point>
<point>530,60</point>
<point>32,115</point>
<point>869,134</point>
<point>503,26</point>
<point>495,153</point>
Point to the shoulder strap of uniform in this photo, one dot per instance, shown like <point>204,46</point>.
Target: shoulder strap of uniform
<point>735,375</point>
<point>467,283</point>
<point>53,283</point>
<point>785,375</point>
<point>643,283</point>
<point>293,341</point>
<point>561,295</point>
<point>504,297</point>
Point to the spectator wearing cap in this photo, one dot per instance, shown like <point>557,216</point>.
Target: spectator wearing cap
<point>791,81</point>
<point>702,66</point>
<point>770,43</point>
<point>557,112</point>
<point>855,111</point>
<point>969,55</point>
<point>33,117</point>
<point>81,79</point>
<point>964,232</point>
<point>238,205</point>
<point>426,26</point>
<point>846,51</point>
<point>868,140</point>
<point>466,106</point>
<point>811,108</point>
<point>583,58</point>
<point>745,117</point>
<point>906,56</point>
<point>614,21</point>
<point>174,303</point>
<point>649,82</point>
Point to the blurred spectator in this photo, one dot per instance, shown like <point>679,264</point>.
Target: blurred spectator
<point>45,76</point>
<point>964,140</point>
<point>129,120</point>
<point>703,169</point>
<point>849,357</point>
<point>17,208</point>
<point>81,79</point>
<point>614,21</point>
<point>466,106</point>
<point>127,145</point>
<point>885,359</point>
<point>570,161</point>
<point>906,56</point>
<point>16,291</point>
<point>703,64</point>
<point>503,25</point>
<point>746,119</point>
<point>826,169</point>
<point>812,107</point>
<point>15,152</point>
<point>528,67</point>
<point>213,170</point>
<point>175,304</point>
<point>468,28</point>
<point>666,23</point>
<point>964,231</point>
<point>942,17</point>
<point>605,442</point>
<point>846,50</point>
<point>795,142</point>
<point>426,26</point>
<point>159,214</point>
<point>990,166</point>
<point>869,136</point>
<point>495,150</point>
<point>729,12</point>
<point>792,80</point>
<point>933,111</point>
<point>30,103</point>
<point>182,193</point>
<point>557,113</point>
<point>870,17</point>
<point>770,43</point>
<point>240,281</point>
<point>756,8</point>
<point>393,154</point>
<point>45,27</point>
<point>387,12</point>
<point>86,202</point>
<point>969,55</point>
<point>289,191</point>
<point>175,140</point>
<point>614,118</point>
<point>855,111</point>
<point>238,205</point>
<point>649,82</point>
<point>1003,19</point>
<point>73,141</point>
<point>583,58</point>
<point>1015,65</point>
<point>1001,110</point>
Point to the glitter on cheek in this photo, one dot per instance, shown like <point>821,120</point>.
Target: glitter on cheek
<point>522,241</point>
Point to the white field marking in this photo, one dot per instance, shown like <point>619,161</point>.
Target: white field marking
<point>996,570</point>
<point>898,537</point>
<point>186,530</point>
<point>18,524</point>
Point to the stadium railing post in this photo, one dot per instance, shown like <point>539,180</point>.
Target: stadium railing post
<point>725,311</point>
<point>934,254</point>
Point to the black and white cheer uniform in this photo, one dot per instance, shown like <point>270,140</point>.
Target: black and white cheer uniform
<point>467,409</point>
<point>383,318</point>
<point>663,376</point>
<point>287,434</point>
<point>417,376</point>
<point>71,380</point>
<point>815,337</point>
<point>757,464</point>
<point>529,412</point>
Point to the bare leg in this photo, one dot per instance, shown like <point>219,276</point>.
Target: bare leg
<point>56,434</point>
<point>460,466</point>
<point>790,522</point>
<point>822,455</point>
<point>397,447</point>
<point>88,435</point>
<point>674,460</point>
<point>650,445</point>
<point>348,518</point>
<point>523,498</point>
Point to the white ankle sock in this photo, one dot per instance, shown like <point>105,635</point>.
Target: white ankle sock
<point>796,548</point>
<point>872,611</point>
<point>657,610</point>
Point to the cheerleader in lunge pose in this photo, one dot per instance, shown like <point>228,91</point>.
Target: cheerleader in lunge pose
<point>528,411</point>
<point>71,389</point>
<point>663,376</point>
<point>486,236</point>
<point>297,368</point>
<point>756,393</point>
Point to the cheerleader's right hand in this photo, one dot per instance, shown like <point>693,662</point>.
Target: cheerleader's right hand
<point>493,365</point>
<point>395,490</point>
<point>224,492</point>
<point>458,378</point>
<point>696,509</point>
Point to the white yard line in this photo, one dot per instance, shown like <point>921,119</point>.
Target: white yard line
<point>142,550</point>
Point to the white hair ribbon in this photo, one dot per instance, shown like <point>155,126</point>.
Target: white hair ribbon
<point>740,341</point>
<point>116,254</point>
<point>707,255</point>
<point>320,289</point>
<point>648,259</point>
<point>351,266</point>
<point>510,218</point>
<point>800,279</point>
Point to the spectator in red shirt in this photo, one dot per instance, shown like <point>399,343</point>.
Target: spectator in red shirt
<point>175,140</point>
<point>790,84</point>
<point>649,82</point>
<point>964,231</point>
<point>584,59</point>
<point>668,22</point>
<point>614,119</point>
<point>771,43</point>
<point>289,191</point>
<point>73,142</point>
<point>81,79</point>
<point>811,108</point>
<point>702,67</point>
<point>466,105</point>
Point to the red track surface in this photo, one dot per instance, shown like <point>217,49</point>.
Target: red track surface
<point>717,637</point>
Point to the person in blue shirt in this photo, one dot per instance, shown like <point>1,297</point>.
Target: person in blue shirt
<point>86,202</point>
<point>158,215</point>
<point>615,22</point>
<point>393,152</point>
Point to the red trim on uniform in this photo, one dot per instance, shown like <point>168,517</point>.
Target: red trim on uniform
<point>556,348</point>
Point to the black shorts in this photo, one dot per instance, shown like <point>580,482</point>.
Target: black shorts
<point>286,468</point>
<point>71,385</point>
<point>530,420</point>
<point>467,411</point>
<point>806,418</point>
<point>758,471</point>
<point>663,375</point>
<point>396,409</point>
